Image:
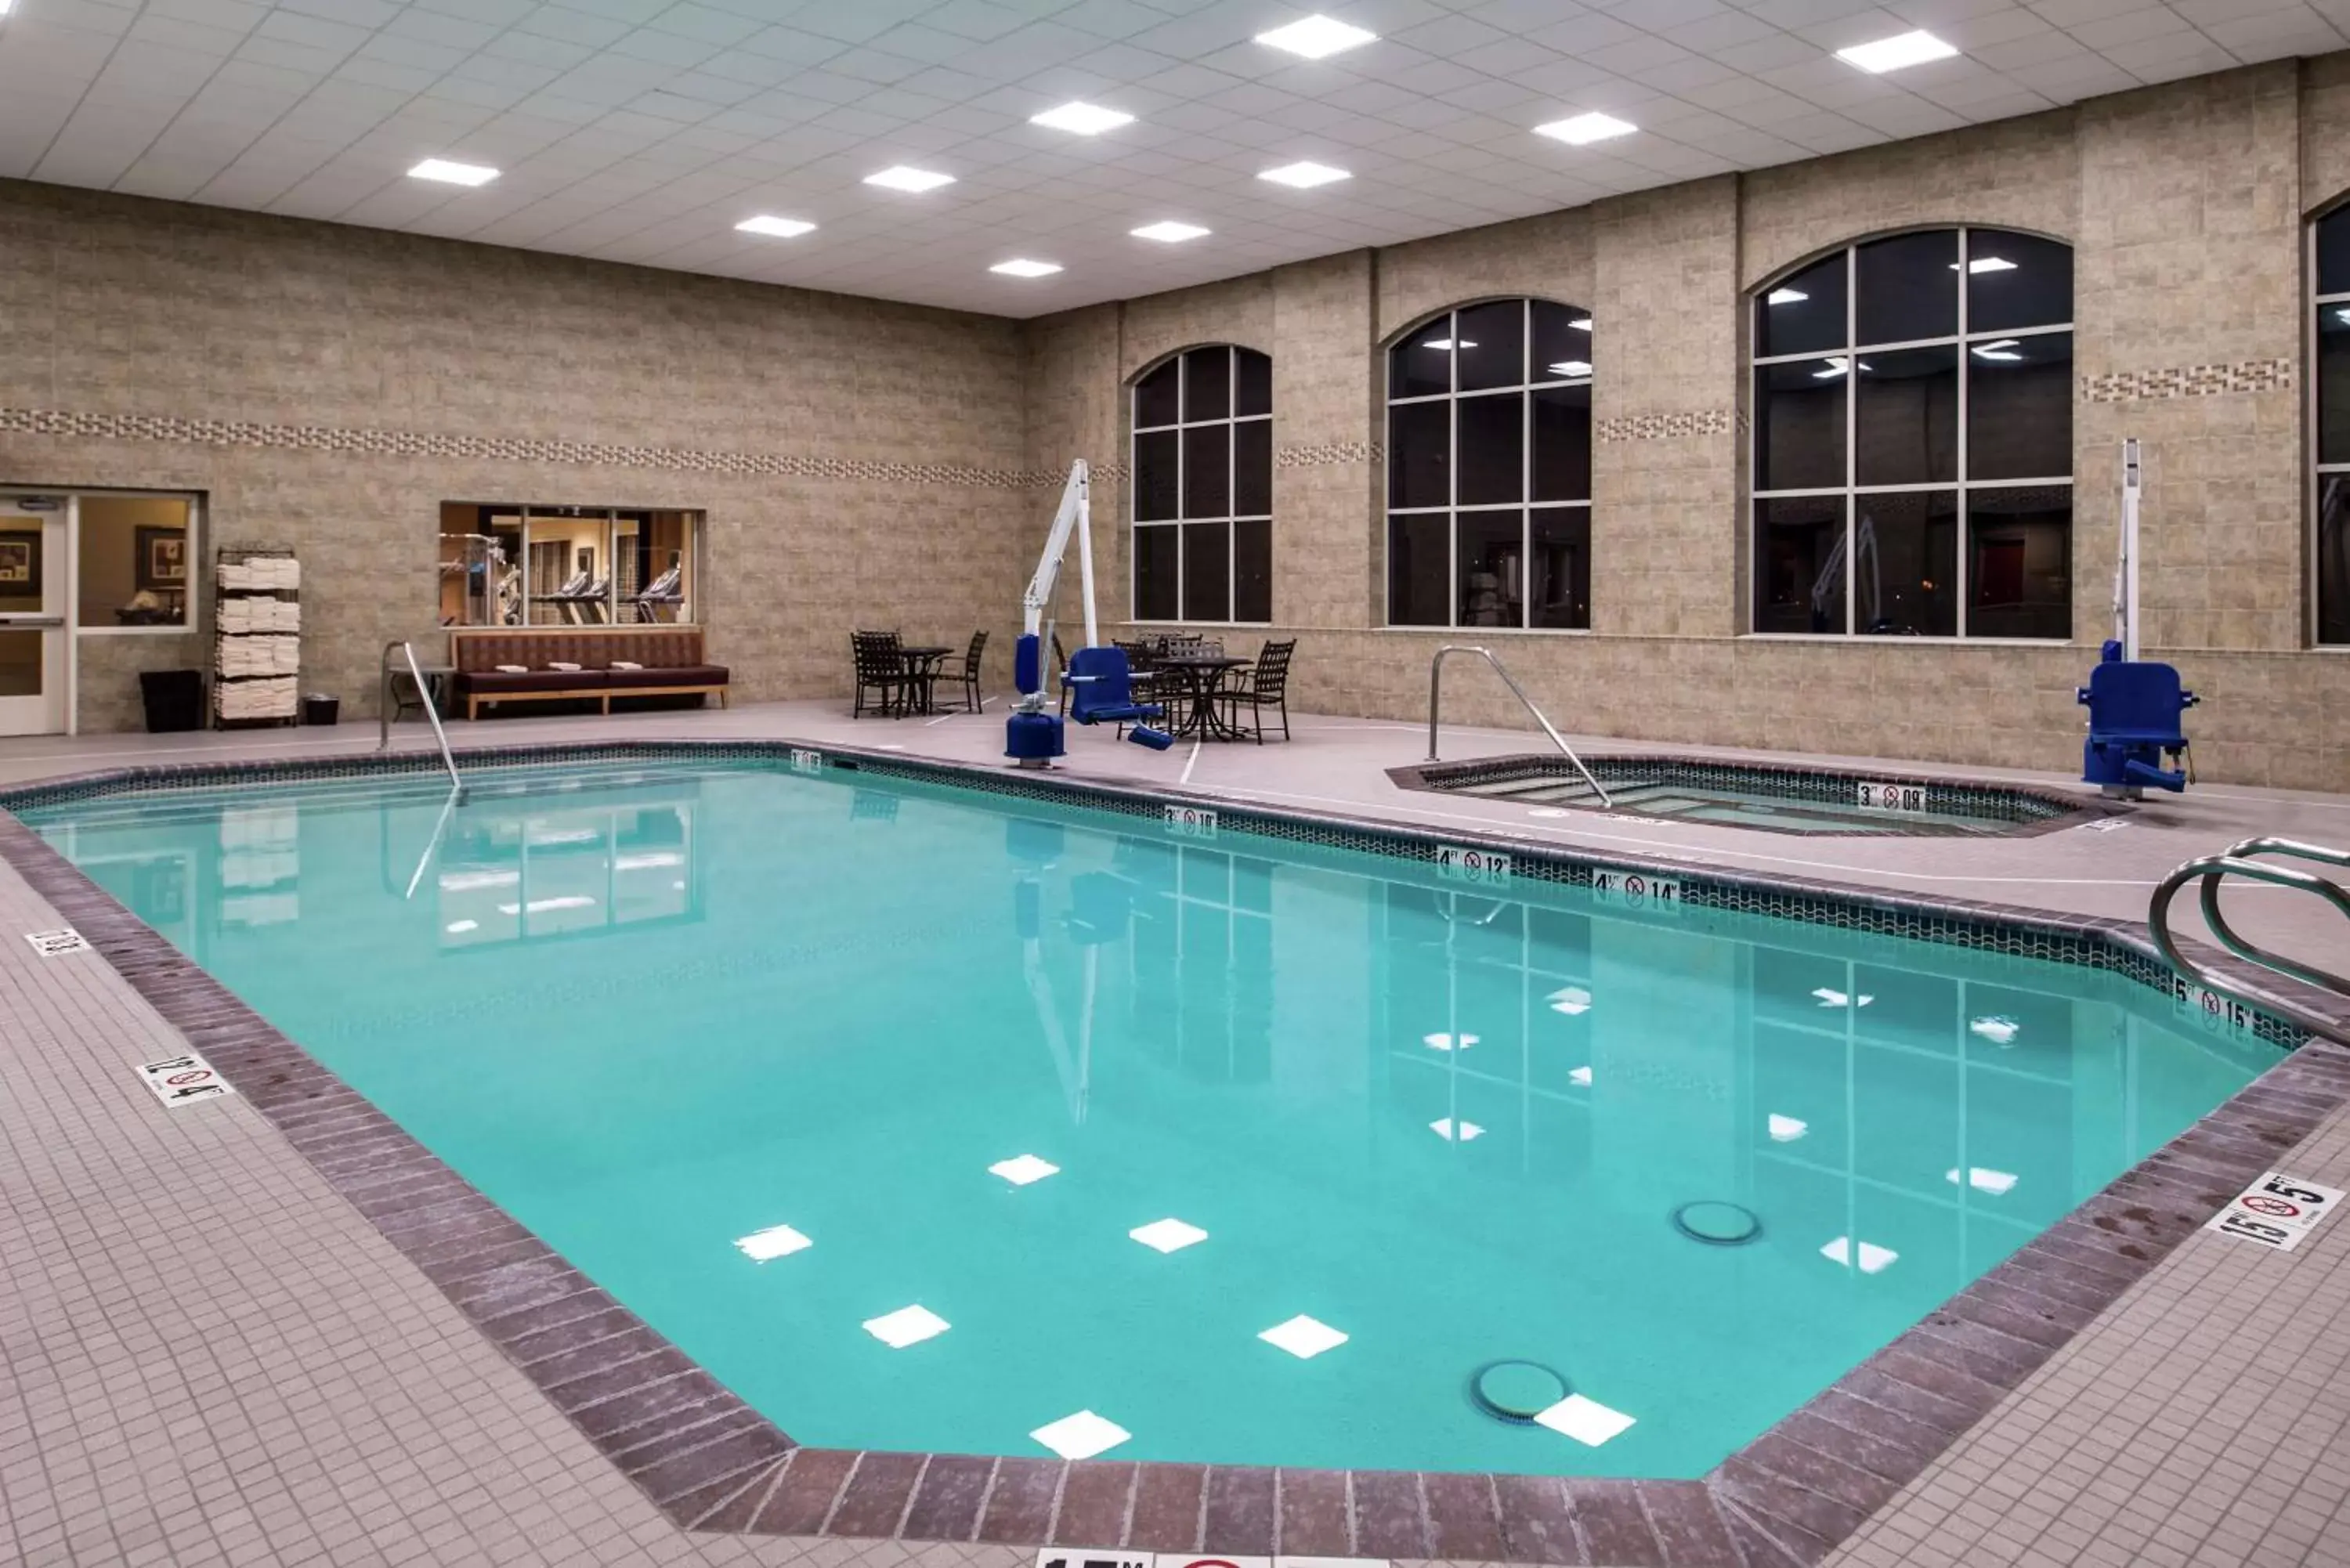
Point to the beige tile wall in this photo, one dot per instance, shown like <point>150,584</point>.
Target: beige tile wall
<point>2184,203</point>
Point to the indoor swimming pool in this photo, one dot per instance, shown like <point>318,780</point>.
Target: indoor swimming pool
<point>927,1118</point>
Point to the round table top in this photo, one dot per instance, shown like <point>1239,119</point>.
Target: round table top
<point>1197,661</point>
<point>923,652</point>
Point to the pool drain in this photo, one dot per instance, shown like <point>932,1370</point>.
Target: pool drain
<point>1515,1391</point>
<point>1718,1223</point>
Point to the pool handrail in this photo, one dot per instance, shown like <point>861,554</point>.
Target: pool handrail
<point>2211,871</point>
<point>425,695</point>
<point>1435,696</point>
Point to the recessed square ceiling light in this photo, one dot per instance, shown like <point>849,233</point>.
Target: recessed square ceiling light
<point>1584,129</point>
<point>1317,37</point>
<point>449,173</point>
<point>1169,232</point>
<point>907,1325</point>
<point>782,228</point>
<point>1085,118</point>
<point>1892,54</point>
<point>1304,175</point>
<point>1302,1337</point>
<point>1168,1235</point>
<point>1021,266</point>
<point>1022,1169</point>
<point>902,177</point>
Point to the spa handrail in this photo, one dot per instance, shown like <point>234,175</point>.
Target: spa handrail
<point>425,695</point>
<point>1435,696</point>
<point>2212,870</point>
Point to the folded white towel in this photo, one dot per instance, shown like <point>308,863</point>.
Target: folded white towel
<point>513,668</point>
<point>566,669</point>
<point>624,664</point>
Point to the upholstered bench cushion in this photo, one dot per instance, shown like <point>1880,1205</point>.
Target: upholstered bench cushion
<point>690,675</point>
<point>484,682</point>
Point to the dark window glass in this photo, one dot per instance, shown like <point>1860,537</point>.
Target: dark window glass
<point>2334,252</point>
<point>1563,444</point>
<point>1252,571</point>
<point>1253,468</point>
<point>1906,428</point>
<point>2020,407</point>
<point>2334,383</point>
<point>1155,575</point>
<point>1252,387</point>
<point>1419,454</point>
<point>1207,385</point>
<point>1493,449</point>
<point>1420,569</point>
<point>1560,345</point>
<point>1491,344</point>
<point>1207,472</point>
<point>2334,557</point>
<point>1207,571</point>
<point>2019,562</point>
<point>2017,280</point>
<point>1157,397</point>
<point>1908,288</point>
<point>1156,491</point>
<point>1492,564</point>
<point>1799,565</point>
<point>1908,572</point>
<point>1803,313</point>
<point>1799,424</point>
<point>1417,368</point>
<point>1558,573</point>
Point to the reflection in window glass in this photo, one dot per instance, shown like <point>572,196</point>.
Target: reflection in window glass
<point>2331,438</point>
<point>1887,479</point>
<point>2334,557</point>
<point>1214,471</point>
<point>1464,547</point>
<point>138,554</point>
<point>569,565</point>
<point>2334,383</point>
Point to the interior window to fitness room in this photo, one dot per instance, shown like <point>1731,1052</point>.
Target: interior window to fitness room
<point>1203,487</point>
<point>509,564</point>
<point>2331,272</point>
<point>1489,469</point>
<point>1913,439</point>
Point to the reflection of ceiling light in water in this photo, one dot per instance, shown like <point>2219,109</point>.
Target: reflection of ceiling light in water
<point>1302,1337</point>
<point>542,906</point>
<point>1999,1029</point>
<point>1829,997</point>
<point>1022,1169</point>
<point>1580,1077</point>
<point>1443,1127</point>
<point>549,840</point>
<point>1447,1042</point>
<point>473,881</point>
<point>1787,1129</point>
<point>459,927</point>
<point>1874,1259</point>
<point>1584,1419</point>
<point>646,862</point>
<point>1995,1182</point>
<point>1570,999</point>
<point>774,1242</point>
<point>1081,1435</point>
<point>907,1325</point>
<point>1168,1235</point>
<point>1786,296</point>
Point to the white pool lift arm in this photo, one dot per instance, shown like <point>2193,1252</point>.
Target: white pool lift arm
<point>1075,516</point>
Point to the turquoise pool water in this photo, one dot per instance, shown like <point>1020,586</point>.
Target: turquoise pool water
<point>778,1059</point>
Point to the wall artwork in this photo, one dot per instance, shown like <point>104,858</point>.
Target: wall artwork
<point>162,557</point>
<point>20,565</point>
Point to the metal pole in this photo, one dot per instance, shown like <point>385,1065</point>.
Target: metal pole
<point>2128,599</point>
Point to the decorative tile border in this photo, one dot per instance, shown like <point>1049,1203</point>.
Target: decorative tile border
<point>2189,381</point>
<point>2019,813</point>
<point>1329,454</point>
<point>509,449</point>
<point>711,1463</point>
<point>1669,425</point>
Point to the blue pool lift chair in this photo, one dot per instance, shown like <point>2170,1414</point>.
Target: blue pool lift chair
<point>2134,708</point>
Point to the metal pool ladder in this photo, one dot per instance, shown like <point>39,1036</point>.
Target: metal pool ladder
<point>425,695</point>
<point>2211,871</point>
<point>1435,696</point>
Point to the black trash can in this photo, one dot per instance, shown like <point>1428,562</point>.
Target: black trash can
<point>319,708</point>
<point>174,698</point>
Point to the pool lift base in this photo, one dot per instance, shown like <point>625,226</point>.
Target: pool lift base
<point>1100,686</point>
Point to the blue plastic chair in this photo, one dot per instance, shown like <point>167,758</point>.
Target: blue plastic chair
<point>2134,708</point>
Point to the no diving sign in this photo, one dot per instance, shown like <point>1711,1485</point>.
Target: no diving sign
<point>184,1080</point>
<point>2277,1211</point>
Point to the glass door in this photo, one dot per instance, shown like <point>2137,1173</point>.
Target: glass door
<point>34,568</point>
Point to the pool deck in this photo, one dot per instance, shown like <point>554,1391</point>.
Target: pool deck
<point>208,1355</point>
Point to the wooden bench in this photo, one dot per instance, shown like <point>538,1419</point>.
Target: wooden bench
<point>670,659</point>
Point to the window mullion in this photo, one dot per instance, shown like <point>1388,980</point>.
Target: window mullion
<point>1963,532</point>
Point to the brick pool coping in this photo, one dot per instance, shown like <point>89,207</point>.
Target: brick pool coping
<point>713,1463</point>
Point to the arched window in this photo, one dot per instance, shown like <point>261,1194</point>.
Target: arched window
<point>1913,439</point>
<point>1203,487</point>
<point>1489,469</point>
<point>2330,273</point>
